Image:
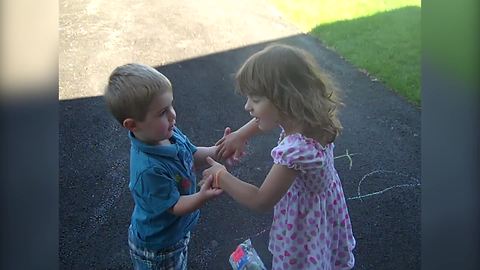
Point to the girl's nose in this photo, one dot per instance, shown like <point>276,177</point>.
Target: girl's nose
<point>248,108</point>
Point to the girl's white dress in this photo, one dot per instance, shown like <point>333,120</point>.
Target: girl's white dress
<point>311,227</point>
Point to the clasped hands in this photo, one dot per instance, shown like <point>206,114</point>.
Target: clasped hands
<point>231,148</point>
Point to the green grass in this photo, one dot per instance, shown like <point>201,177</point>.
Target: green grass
<point>451,39</point>
<point>382,37</point>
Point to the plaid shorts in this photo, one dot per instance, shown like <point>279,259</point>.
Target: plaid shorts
<point>170,258</point>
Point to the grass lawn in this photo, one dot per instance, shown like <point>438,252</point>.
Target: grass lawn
<point>382,37</point>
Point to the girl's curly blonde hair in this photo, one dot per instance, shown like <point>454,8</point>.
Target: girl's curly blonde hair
<point>290,78</point>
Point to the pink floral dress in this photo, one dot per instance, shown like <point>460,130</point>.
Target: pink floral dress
<point>311,227</point>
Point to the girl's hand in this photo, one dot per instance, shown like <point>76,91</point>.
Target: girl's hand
<point>206,188</point>
<point>231,146</point>
<point>229,160</point>
<point>214,169</point>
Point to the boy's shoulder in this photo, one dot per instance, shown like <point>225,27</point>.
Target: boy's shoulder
<point>144,157</point>
<point>177,133</point>
<point>179,136</point>
<point>141,163</point>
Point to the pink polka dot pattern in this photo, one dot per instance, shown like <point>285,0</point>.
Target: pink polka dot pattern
<point>311,227</point>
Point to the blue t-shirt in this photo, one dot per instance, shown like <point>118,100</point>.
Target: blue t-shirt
<point>159,175</point>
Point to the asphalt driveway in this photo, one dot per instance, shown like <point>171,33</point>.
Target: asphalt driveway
<point>199,45</point>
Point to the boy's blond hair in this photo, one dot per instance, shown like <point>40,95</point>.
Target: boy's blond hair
<point>131,88</point>
<point>290,78</point>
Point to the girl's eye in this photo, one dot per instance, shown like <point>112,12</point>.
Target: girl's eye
<point>255,99</point>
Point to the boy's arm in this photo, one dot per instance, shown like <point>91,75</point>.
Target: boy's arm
<point>200,156</point>
<point>189,203</point>
<point>234,143</point>
<point>202,153</point>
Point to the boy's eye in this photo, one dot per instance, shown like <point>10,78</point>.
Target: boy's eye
<point>162,113</point>
<point>166,110</point>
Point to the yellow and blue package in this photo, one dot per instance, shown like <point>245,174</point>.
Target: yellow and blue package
<point>246,258</point>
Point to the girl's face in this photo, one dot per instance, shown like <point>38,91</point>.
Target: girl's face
<point>159,121</point>
<point>265,113</point>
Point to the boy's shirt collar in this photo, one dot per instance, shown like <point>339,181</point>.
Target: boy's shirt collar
<point>169,151</point>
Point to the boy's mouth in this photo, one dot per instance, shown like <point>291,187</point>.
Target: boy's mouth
<point>172,125</point>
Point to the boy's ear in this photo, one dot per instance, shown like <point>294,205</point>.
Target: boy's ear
<point>129,124</point>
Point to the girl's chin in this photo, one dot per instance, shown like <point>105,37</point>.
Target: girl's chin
<point>265,127</point>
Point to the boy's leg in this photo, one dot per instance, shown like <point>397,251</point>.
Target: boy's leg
<point>172,258</point>
<point>176,257</point>
<point>181,256</point>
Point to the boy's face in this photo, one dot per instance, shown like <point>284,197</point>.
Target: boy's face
<point>265,113</point>
<point>157,127</point>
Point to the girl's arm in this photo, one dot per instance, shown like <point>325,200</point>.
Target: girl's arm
<point>276,184</point>
<point>235,142</point>
<point>248,130</point>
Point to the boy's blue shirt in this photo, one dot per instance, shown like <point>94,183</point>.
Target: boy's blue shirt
<point>159,175</point>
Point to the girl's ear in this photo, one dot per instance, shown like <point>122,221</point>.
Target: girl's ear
<point>130,124</point>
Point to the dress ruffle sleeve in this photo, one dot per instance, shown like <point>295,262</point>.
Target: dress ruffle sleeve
<point>298,153</point>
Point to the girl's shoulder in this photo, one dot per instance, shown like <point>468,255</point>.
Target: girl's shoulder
<point>300,152</point>
<point>300,140</point>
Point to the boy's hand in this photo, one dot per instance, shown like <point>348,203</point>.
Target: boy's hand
<point>231,147</point>
<point>206,188</point>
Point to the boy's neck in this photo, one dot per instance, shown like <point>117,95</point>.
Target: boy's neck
<point>165,142</point>
<point>162,142</point>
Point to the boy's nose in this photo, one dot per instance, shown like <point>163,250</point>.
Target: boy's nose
<point>172,115</point>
